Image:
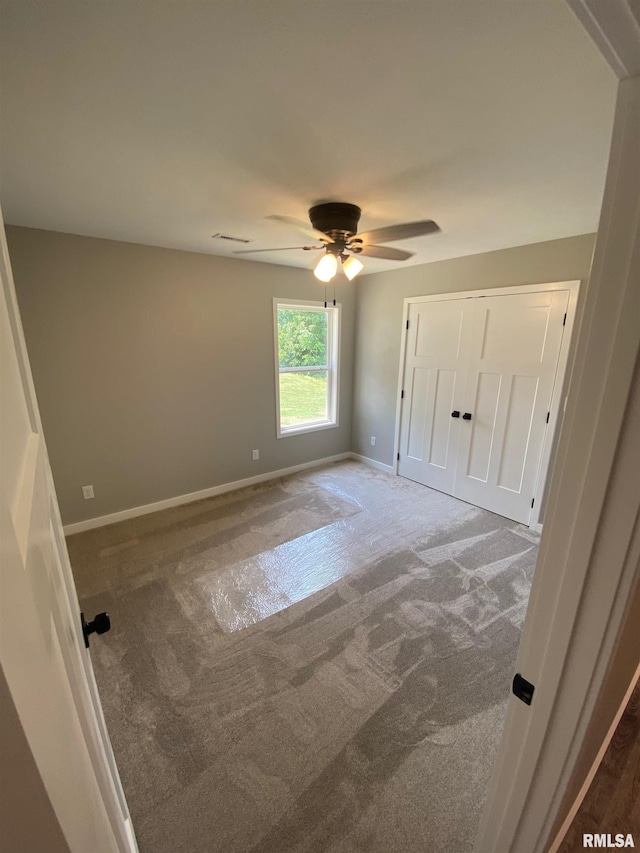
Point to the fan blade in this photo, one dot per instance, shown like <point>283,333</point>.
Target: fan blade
<point>283,249</point>
<point>304,227</point>
<point>385,252</point>
<point>399,232</point>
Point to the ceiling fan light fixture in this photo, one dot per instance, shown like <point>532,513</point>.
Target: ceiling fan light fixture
<point>352,266</point>
<point>326,267</point>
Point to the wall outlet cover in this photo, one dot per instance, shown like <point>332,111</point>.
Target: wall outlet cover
<point>87,492</point>
<point>256,455</point>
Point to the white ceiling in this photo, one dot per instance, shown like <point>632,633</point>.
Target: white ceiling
<point>166,122</point>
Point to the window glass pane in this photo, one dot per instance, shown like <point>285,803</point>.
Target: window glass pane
<point>302,337</point>
<point>303,397</point>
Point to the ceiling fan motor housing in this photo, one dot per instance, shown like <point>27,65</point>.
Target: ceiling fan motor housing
<point>335,218</point>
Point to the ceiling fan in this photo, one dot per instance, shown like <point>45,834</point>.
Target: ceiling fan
<point>335,226</point>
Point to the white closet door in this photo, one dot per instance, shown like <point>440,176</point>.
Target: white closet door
<point>514,356</point>
<point>436,362</point>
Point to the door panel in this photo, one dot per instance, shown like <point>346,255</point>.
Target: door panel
<point>514,355</point>
<point>517,431</point>
<point>520,330</point>
<point>443,396</point>
<point>418,406</point>
<point>437,354</point>
<point>438,330</point>
<point>44,662</point>
<point>485,407</point>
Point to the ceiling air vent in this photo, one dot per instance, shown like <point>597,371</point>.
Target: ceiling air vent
<point>229,238</point>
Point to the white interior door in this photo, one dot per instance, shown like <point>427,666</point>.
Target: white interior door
<point>42,653</point>
<point>514,357</point>
<point>436,361</point>
<point>478,382</point>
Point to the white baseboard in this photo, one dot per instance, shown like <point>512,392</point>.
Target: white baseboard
<point>373,463</point>
<point>134,512</point>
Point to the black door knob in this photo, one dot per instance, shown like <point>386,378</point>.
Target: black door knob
<point>466,416</point>
<point>100,625</point>
<point>455,414</point>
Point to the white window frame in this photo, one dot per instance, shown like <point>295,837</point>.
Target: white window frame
<point>333,313</point>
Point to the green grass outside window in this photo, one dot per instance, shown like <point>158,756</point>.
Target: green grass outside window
<point>303,397</point>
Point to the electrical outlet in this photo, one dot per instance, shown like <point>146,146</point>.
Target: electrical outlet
<point>256,455</point>
<point>373,441</point>
<point>87,492</point>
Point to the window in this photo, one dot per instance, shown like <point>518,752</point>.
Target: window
<point>307,339</point>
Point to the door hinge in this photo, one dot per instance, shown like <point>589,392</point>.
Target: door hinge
<point>402,395</point>
<point>522,688</point>
<point>398,457</point>
<point>533,500</point>
<point>548,413</point>
<point>407,324</point>
<point>565,318</point>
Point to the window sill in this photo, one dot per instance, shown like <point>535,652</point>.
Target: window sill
<point>299,430</point>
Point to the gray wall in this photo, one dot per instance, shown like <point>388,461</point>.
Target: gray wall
<point>154,368</point>
<point>379,319</point>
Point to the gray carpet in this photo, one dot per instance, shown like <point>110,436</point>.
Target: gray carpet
<point>320,663</point>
